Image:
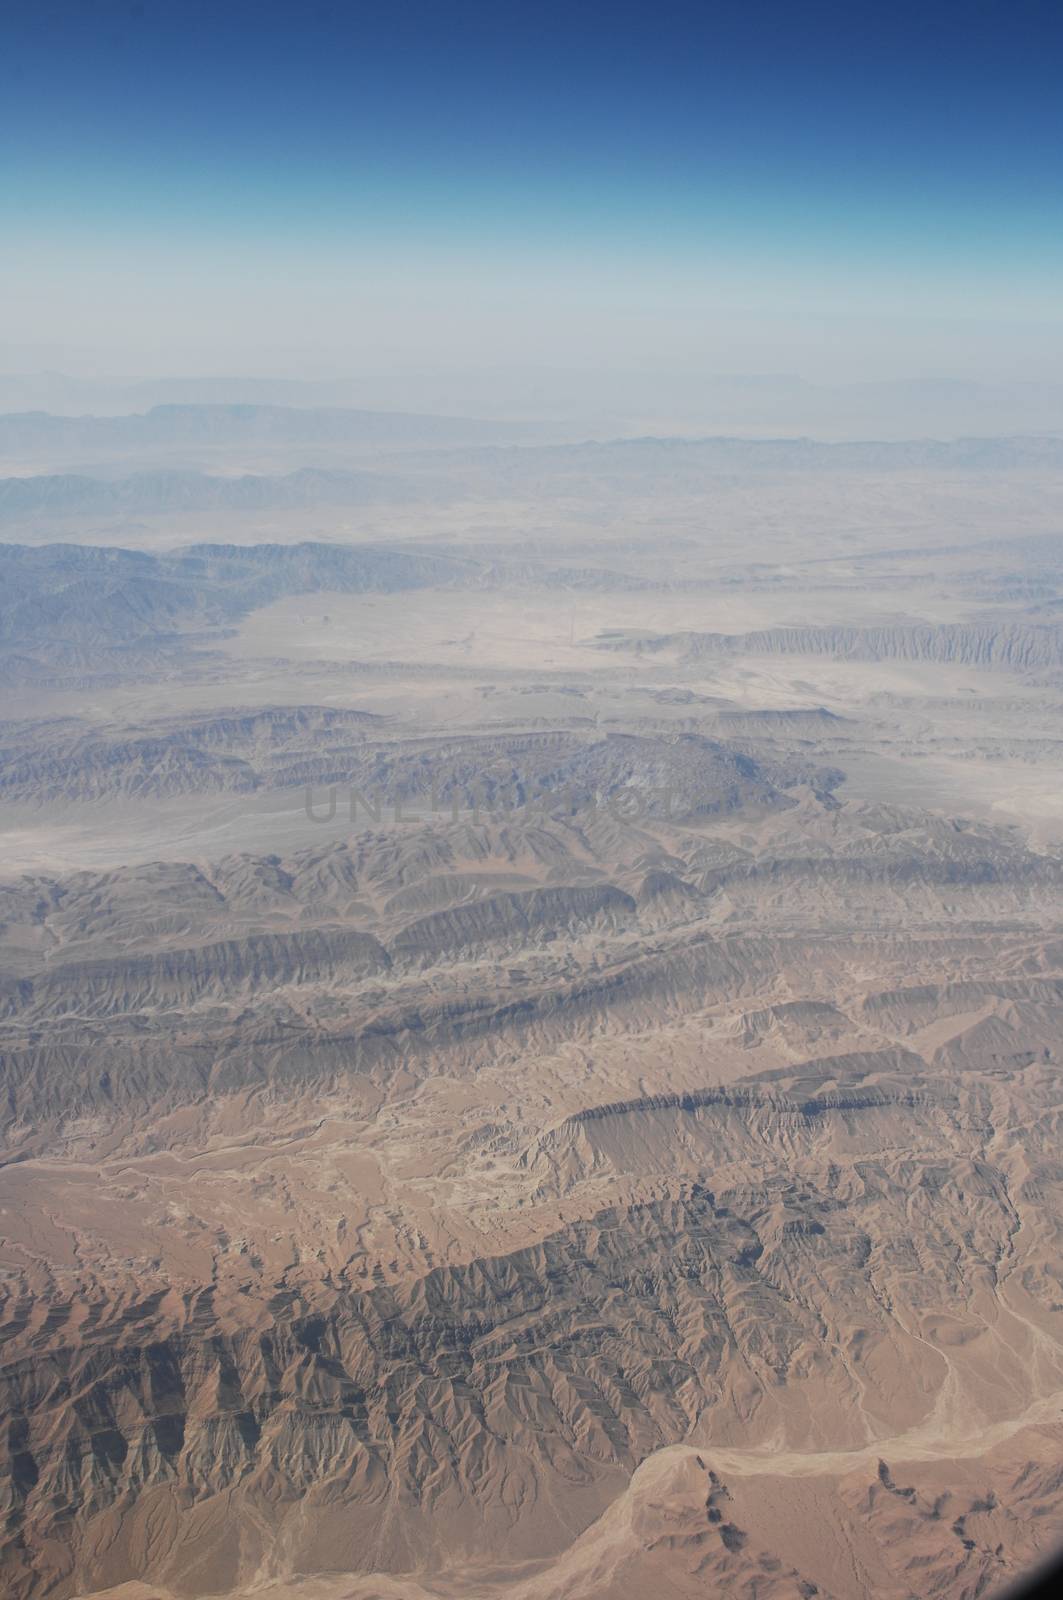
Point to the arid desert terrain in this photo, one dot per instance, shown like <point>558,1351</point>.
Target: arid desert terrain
<point>531,1011</point>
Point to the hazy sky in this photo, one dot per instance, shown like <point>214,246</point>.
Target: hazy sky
<point>845,190</point>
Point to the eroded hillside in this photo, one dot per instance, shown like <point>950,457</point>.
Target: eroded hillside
<point>530,1059</point>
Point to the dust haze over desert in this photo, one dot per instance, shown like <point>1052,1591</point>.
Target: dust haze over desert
<point>531,805</point>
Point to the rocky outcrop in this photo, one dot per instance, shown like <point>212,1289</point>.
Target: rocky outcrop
<point>473,1386</point>
<point>509,919</point>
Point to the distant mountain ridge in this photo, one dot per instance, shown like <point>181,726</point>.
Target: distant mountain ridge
<point>173,424</point>
<point>80,593</point>
<point>624,401</point>
<point>66,493</point>
<point>457,469</point>
<point>1012,646</point>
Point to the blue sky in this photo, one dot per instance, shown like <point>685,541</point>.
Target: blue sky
<point>322,185</point>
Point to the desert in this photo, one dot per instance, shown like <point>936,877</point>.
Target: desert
<point>529,1033</point>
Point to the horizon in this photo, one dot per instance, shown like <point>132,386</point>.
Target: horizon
<point>581,404</point>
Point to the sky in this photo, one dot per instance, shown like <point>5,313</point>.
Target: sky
<point>847,191</point>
